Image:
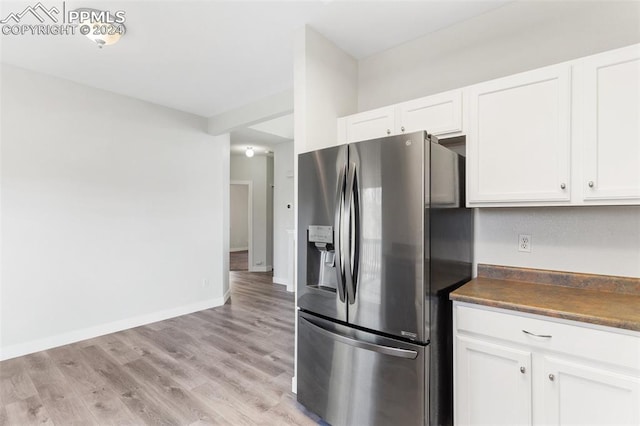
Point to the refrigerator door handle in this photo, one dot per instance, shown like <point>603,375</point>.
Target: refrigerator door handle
<point>381,349</point>
<point>340,267</point>
<point>352,228</point>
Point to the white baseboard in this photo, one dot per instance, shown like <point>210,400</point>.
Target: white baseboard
<point>239,249</point>
<point>294,384</point>
<point>227,295</point>
<point>38,345</point>
<point>278,280</point>
<point>261,268</point>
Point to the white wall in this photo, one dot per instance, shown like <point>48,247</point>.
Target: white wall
<point>270,197</point>
<point>239,217</point>
<point>282,214</point>
<point>111,212</point>
<point>517,37</point>
<point>221,261</point>
<point>256,112</point>
<point>255,170</point>
<point>325,87</point>
<point>601,240</point>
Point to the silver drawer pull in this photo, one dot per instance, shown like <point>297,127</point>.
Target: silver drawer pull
<point>545,336</point>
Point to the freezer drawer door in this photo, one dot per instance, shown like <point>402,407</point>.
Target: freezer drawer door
<point>351,377</point>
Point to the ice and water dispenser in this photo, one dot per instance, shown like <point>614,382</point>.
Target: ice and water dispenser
<point>321,261</point>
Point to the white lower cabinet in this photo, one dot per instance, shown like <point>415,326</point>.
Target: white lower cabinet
<point>514,369</point>
<point>576,394</point>
<point>505,370</point>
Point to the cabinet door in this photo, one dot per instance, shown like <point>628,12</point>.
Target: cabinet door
<point>492,384</point>
<point>439,114</point>
<point>611,125</point>
<point>519,138</point>
<point>576,394</point>
<point>372,124</point>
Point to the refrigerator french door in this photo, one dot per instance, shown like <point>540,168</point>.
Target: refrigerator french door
<point>370,269</point>
<point>369,286</point>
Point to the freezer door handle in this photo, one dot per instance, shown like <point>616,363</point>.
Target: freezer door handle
<point>386,350</point>
<point>340,266</point>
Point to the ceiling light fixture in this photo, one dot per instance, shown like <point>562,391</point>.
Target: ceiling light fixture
<point>101,27</point>
<point>249,152</point>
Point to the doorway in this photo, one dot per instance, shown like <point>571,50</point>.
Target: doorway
<point>240,220</point>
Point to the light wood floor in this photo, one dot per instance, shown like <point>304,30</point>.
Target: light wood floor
<point>228,365</point>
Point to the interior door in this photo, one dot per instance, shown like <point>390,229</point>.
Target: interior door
<point>385,202</point>
<point>321,184</point>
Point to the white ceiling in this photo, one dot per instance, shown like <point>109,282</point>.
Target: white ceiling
<point>207,57</point>
<point>262,137</point>
<point>281,126</point>
<point>261,142</point>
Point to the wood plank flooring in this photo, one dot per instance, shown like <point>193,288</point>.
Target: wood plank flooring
<point>229,365</point>
<point>239,260</point>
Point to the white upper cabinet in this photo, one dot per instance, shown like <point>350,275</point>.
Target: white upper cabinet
<point>438,114</point>
<point>609,126</point>
<point>370,124</point>
<point>518,140</point>
<point>567,134</point>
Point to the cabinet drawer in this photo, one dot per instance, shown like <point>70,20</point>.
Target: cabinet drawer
<point>577,340</point>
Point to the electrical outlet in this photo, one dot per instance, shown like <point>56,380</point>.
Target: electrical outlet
<point>205,283</point>
<point>524,243</point>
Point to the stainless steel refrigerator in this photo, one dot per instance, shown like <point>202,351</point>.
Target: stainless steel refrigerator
<point>383,237</point>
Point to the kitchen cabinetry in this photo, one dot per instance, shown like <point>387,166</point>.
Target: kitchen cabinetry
<point>519,138</point>
<point>568,134</point>
<point>609,109</point>
<point>369,125</point>
<point>576,394</point>
<point>481,363</point>
<point>513,368</point>
<point>438,114</point>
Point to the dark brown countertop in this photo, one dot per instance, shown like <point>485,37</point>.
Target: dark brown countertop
<point>595,299</point>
